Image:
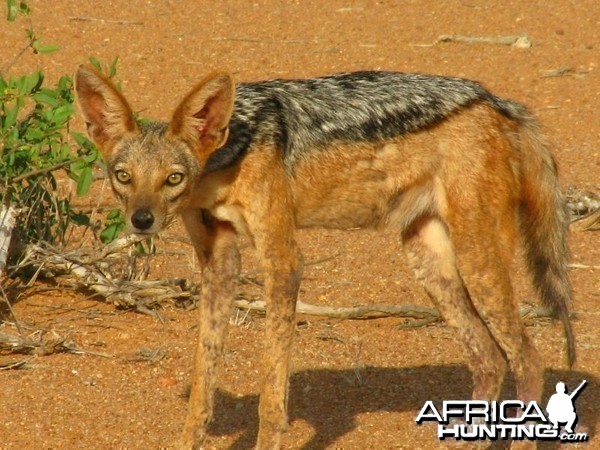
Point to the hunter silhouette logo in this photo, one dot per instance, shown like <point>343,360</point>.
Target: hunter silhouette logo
<point>561,408</point>
<point>472,420</point>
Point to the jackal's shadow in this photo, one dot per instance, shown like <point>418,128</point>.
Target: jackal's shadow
<point>330,400</point>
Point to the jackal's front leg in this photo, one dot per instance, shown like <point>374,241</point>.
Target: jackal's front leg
<point>281,292</point>
<point>215,244</point>
<point>283,270</point>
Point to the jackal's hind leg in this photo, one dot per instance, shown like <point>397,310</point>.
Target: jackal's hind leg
<point>431,256</point>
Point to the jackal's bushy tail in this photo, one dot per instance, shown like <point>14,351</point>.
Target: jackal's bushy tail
<point>544,226</point>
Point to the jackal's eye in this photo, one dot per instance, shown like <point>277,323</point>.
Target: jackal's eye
<point>122,177</point>
<point>174,179</point>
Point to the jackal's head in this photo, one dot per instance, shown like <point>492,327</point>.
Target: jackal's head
<point>154,168</point>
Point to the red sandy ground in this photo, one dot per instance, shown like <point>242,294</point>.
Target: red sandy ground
<point>356,384</point>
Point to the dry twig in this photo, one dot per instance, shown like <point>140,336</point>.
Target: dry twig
<point>519,40</point>
<point>15,365</point>
<point>41,343</point>
<point>110,21</point>
<point>583,266</point>
<point>589,222</point>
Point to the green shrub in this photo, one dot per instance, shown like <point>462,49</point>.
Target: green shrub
<point>36,144</point>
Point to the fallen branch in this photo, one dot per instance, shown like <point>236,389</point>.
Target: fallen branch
<point>355,313</point>
<point>519,40</point>
<point>97,19</point>
<point>421,314</point>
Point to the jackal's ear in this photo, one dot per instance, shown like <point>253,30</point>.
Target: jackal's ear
<point>107,114</point>
<point>202,118</point>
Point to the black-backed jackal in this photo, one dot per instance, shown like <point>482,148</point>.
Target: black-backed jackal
<point>461,175</point>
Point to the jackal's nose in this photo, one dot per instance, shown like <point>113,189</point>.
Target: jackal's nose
<point>142,219</point>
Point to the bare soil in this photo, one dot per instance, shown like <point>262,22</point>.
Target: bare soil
<point>356,384</point>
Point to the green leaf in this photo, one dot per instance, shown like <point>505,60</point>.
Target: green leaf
<point>79,218</point>
<point>46,96</point>
<point>34,134</point>
<point>20,85</point>
<point>80,139</point>
<point>11,138</point>
<point>40,48</point>
<point>95,63</point>
<point>24,8</point>
<point>65,83</point>
<point>34,81</point>
<point>75,168</point>
<point>62,114</point>
<point>10,118</point>
<point>84,181</point>
<point>112,70</point>
<point>115,214</point>
<point>25,85</point>
<point>63,151</point>
<point>13,10</point>
<point>111,232</point>
<point>91,157</point>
